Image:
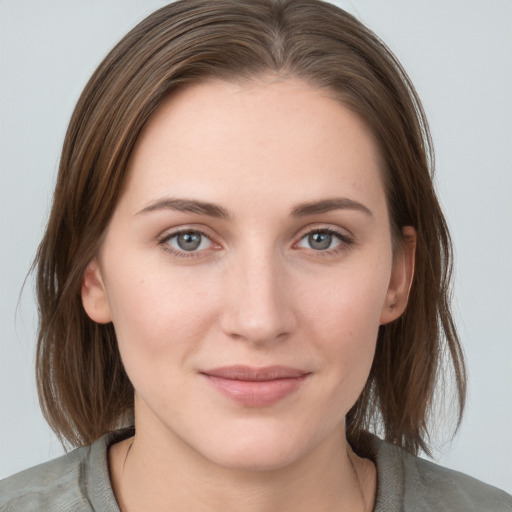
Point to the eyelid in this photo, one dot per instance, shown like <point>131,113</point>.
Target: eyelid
<point>343,233</point>
<point>203,239</point>
<point>345,237</point>
<point>188,228</point>
<point>162,241</point>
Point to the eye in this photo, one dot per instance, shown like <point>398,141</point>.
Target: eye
<point>187,241</point>
<point>323,240</point>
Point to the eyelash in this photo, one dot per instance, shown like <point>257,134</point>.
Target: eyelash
<point>346,242</point>
<point>163,242</point>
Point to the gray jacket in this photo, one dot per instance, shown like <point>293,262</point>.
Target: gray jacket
<point>79,482</point>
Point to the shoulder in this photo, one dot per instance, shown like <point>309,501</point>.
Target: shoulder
<point>54,485</point>
<point>454,490</point>
<point>78,481</point>
<point>425,486</point>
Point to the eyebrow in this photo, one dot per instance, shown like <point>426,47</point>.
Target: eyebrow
<point>329,205</point>
<point>187,205</point>
<point>216,211</point>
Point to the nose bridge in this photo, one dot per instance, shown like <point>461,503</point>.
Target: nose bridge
<point>259,307</point>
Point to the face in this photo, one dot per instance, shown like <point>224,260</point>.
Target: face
<point>246,269</point>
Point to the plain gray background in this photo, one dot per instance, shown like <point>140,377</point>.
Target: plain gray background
<point>459,55</point>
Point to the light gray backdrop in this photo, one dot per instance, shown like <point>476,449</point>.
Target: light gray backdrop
<point>459,55</point>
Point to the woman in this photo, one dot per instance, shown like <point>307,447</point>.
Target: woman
<point>246,254</point>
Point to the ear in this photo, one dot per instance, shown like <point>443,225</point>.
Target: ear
<point>94,295</point>
<point>401,278</point>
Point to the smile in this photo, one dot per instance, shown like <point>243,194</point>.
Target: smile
<point>256,387</point>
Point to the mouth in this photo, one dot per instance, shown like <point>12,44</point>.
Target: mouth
<point>256,387</point>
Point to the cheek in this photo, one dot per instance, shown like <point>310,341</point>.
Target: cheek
<point>348,301</point>
<point>160,312</point>
<point>345,321</point>
<point>160,323</point>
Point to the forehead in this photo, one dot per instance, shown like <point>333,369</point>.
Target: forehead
<point>216,138</point>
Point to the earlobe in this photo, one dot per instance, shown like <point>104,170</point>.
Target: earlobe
<point>94,296</point>
<point>401,278</point>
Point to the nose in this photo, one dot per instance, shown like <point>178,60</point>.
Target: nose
<point>259,304</point>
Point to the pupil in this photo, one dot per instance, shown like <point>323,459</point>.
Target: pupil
<point>320,240</point>
<point>189,241</point>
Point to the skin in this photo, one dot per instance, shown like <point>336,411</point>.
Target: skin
<point>256,292</point>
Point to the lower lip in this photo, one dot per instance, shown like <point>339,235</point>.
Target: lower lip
<point>252,393</point>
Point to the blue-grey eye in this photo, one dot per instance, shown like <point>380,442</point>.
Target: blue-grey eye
<point>189,241</point>
<point>320,240</point>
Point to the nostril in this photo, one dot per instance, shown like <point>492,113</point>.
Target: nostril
<point>261,324</point>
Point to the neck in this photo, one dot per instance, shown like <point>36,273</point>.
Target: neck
<point>149,472</point>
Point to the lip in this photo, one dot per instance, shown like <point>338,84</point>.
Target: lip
<point>256,387</point>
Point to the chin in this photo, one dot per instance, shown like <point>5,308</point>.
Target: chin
<point>255,458</point>
<point>258,447</point>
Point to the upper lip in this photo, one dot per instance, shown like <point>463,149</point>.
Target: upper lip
<point>249,373</point>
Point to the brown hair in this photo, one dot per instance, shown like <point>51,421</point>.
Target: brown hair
<point>83,388</point>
